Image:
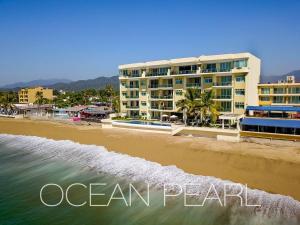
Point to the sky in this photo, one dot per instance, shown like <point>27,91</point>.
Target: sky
<point>82,39</point>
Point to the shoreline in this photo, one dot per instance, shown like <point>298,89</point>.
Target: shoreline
<point>271,168</point>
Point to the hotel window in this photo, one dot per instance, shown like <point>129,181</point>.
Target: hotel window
<point>135,73</point>
<point>294,90</point>
<point>264,99</point>
<point>239,105</point>
<point>143,103</point>
<point>178,81</point>
<point>144,93</point>
<point>240,63</point>
<point>124,103</point>
<point>178,92</point>
<point>226,106</point>
<point>265,90</point>
<point>208,80</point>
<point>294,100</point>
<point>125,72</point>
<point>278,99</point>
<point>240,91</point>
<point>124,94</point>
<point>187,69</point>
<point>225,67</point>
<point>123,84</point>
<point>163,71</point>
<point>143,83</point>
<point>143,114</point>
<point>240,79</point>
<point>279,90</point>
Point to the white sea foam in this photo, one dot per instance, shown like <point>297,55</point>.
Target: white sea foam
<point>138,169</point>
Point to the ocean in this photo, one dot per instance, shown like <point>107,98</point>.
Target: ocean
<point>44,181</point>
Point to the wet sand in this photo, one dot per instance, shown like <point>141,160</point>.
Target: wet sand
<point>273,168</point>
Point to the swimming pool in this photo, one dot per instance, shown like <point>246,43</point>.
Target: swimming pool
<point>139,122</point>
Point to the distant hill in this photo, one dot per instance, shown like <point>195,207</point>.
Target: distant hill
<point>32,83</point>
<point>275,78</point>
<point>97,83</point>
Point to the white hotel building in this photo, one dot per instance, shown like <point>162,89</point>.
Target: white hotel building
<point>150,89</point>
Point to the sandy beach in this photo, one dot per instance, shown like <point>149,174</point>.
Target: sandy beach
<point>273,168</point>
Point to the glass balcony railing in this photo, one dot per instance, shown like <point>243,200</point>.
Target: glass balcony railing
<point>166,97</point>
<point>132,86</point>
<point>153,86</point>
<point>165,85</point>
<point>166,108</point>
<point>162,97</point>
<point>229,83</point>
<point>131,96</point>
<point>210,70</point>
<point>132,107</point>
<point>156,74</point>
<point>225,70</point>
<point>187,71</point>
<point>193,85</point>
<point>223,97</point>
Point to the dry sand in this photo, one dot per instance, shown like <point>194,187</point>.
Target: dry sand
<point>273,168</point>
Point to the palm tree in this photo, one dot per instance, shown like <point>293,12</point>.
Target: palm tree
<point>39,97</point>
<point>189,105</point>
<point>208,109</point>
<point>198,106</point>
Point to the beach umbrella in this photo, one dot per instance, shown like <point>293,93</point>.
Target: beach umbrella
<point>164,115</point>
<point>173,117</point>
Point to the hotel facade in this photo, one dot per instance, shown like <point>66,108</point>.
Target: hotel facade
<point>286,92</point>
<point>151,89</point>
<point>28,95</point>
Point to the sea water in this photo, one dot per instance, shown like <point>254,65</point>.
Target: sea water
<point>29,163</point>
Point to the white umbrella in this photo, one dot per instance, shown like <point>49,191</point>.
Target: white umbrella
<point>164,115</point>
<point>173,117</point>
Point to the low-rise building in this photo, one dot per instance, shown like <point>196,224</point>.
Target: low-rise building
<point>273,122</point>
<point>29,95</point>
<point>286,92</point>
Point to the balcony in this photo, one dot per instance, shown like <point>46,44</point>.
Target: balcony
<point>158,97</point>
<point>156,74</point>
<point>154,107</point>
<point>153,86</point>
<point>210,70</point>
<point>193,85</point>
<point>222,84</point>
<point>187,71</point>
<point>167,108</point>
<point>132,107</point>
<point>131,96</point>
<point>165,85</point>
<point>240,70</point>
<point>223,97</point>
<point>132,86</point>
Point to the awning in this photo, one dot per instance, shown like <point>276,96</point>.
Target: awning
<point>271,122</point>
<point>274,108</point>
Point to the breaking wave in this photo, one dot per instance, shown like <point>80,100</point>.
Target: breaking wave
<point>138,169</point>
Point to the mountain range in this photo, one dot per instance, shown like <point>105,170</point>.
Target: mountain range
<point>41,82</point>
<point>101,82</point>
<point>275,78</point>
